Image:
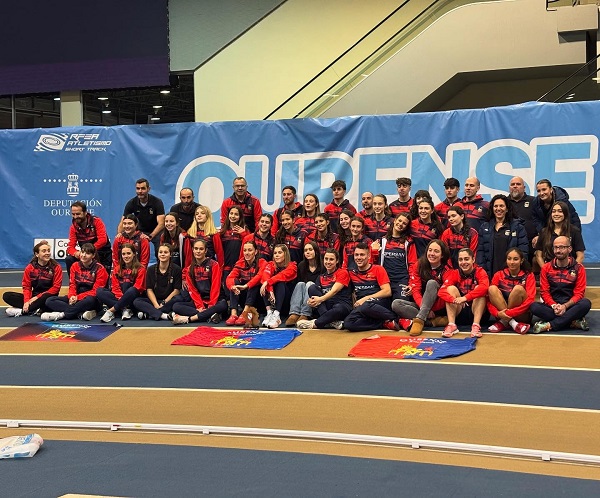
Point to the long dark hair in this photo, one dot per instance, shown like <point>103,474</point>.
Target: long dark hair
<point>510,214</point>
<point>405,233</point>
<point>547,233</point>
<point>436,224</point>
<point>465,232</point>
<point>165,236</point>
<point>227,224</point>
<point>282,232</point>
<point>425,270</point>
<point>135,263</point>
<point>329,231</point>
<point>169,272</point>
<point>315,246</point>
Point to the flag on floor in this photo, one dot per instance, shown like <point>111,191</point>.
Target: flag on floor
<point>238,339</point>
<point>61,332</point>
<point>413,348</point>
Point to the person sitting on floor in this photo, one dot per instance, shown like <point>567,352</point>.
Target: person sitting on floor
<point>309,270</point>
<point>128,281</point>
<point>163,286</point>
<point>330,297</point>
<point>511,293</point>
<point>464,291</point>
<point>562,288</point>
<point>42,279</point>
<point>87,276</point>
<point>278,279</point>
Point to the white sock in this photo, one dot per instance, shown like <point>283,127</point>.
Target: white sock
<point>164,316</point>
<point>513,323</point>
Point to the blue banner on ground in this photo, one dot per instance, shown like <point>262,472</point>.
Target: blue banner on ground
<point>412,348</point>
<point>60,332</point>
<point>238,339</point>
<point>43,171</point>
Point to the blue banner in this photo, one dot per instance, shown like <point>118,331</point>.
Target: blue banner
<point>43,171</point>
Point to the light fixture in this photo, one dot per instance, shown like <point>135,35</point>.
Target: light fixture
<point>102,98</point>
<point>154,118</point>
<point>57,98</point>
<point>106,111</point>
<point>156,106</point>
<point>165,92</point>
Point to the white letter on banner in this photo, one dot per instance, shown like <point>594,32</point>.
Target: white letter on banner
<point>568,162</point>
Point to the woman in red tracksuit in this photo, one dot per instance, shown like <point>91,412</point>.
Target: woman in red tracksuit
<point>203,278</point>
<point>465,291</point>
<point>42,279</point>
<point>127,283</point>
<point>243,284</point>
<point>131,235</point>
<point>230,238</point>
<point>278,279</point>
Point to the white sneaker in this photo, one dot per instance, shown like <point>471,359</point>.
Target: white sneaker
<point>142,315</point>
<point>179,319</point>
<point>275,320</point>
<point>127,314</point>
<point>306,324</point>
<point>13,311</point>
<point>52,316</point>
<point>89,315</point>
<point>337,325</point>
<point>108,316</point>
<point>268,318</point>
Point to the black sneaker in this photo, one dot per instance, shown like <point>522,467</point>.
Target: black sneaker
<point>216,318</point>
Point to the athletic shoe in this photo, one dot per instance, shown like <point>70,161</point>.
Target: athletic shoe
<point>232,320</point>
<point>581,324</point>
<point>306,324</point>
<point>292,320</point>
<point>52,316</point>
<point>179,319</point>
<point>338,324</point>
<point>142,315</point>
<point>268,318</point>
<point>497,327</point>
<point>13,311</point>
<point>108,316</point>
<point>275,320</point>
<point>405,323</point>
<point>127,314</point>
<point>215,318</point>
<point>170,315</point>
<point>450,330</point>
<point>476,330</point>
<point>540,327</point>
<point>391,325</point>
<point>522,328</point>
<point>89,315</point>
<point>240,320</point>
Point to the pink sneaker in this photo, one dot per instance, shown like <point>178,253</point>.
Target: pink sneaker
<point>476,330</point>
<point>522,328</point>
<point>450,330</point>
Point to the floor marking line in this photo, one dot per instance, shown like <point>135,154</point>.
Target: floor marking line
<point>305,393</point>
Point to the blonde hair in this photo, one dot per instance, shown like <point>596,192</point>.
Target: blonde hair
<point>209,224</point>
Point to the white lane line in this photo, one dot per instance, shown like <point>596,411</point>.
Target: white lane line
<point>303,393</point>
<point>311,358</point>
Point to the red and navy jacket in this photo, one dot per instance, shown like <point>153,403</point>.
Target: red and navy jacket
<point>243,273</point>
<point>326,281</point>
<point>92,231</point>
<point>506,283</point>
<point>369,281</point>
<point>418,286</point>
<point>398,256</point>
<point>118,281</point>
<point>377,229</point>
<point>476,211</point>
<point>306,223</point>
<point>442,210</point>
<point>295,243</point>
<point>334,210</point>
<point>232,245</point>
<point>214,248</point>
<point>84,282</point>
<point>397,207</point>
<point>142,247</point>
<point>559,284</point>
<point>250,207</point>
<point>457,241</point>
<point>349,246</point>
<point>296,210</point>
<point>204,283</point>
<point>470,286</point>
<point>332,241</point>
<point>265,246</point>
<point>421,234</point>
<point>273,274</point>
<point>41,280</point>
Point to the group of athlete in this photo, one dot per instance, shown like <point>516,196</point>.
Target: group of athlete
<point>400,266</point>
